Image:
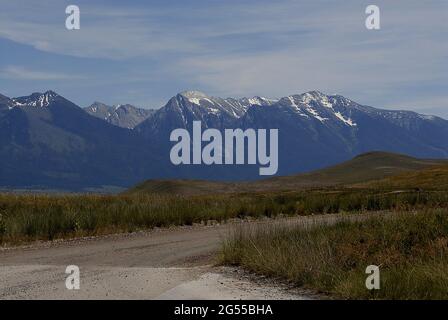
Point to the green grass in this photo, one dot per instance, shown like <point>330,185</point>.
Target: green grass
<point>411,250</point>
<point>435,178</point>
<point>26,218</point>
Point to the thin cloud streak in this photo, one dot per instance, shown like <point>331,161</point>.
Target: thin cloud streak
<point>21,73</point>
<point>241,48</point>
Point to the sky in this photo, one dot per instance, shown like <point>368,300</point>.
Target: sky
<point>144,52</point>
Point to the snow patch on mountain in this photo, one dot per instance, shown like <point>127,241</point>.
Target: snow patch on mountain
<point>315,114</point>
<point>296,107</point>
<point>346,121</point>
<point>326,102</point>
<point>35,100</point>
<point>194,96</point>
<point>236,108</point>
<point>259,101</point>
<point>427,117</point>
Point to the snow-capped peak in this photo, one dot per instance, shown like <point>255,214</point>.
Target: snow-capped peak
<point>315,96</point>
<point>37,99</point>
<point>327,109</point>
<point>194,96</point>
<point>322,107</point>
<point>261,101</point>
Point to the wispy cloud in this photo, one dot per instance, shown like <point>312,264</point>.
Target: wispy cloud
<point>21,73</point>
<point>236,47</point>
<point>106,32</point>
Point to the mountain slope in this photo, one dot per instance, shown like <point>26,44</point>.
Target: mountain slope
<point>47,141</point>
<point>364,167</point>
<point>4,101</point>
<point>188,106</point>
<point>124,115</point>
<point>370,166</point>
<point>433,178</point>
<point>5,104</point>
<point>180,112</point>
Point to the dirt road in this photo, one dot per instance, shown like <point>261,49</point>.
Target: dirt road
<point>175,263</point>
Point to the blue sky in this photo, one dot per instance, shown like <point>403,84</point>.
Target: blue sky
<point>144,52</point>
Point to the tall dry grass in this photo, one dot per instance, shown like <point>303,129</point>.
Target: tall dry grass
<point>47,217</point>
<point>410,248</point>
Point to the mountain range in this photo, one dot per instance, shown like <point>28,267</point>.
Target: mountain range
<point>122,115</point>
<point>46,141</point>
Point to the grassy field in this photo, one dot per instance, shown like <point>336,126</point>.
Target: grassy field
<point>434,178</point>
<point>410,246</point>
<point>361,169</point>
<point>411,250</point>
<point>26,218</point>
